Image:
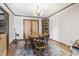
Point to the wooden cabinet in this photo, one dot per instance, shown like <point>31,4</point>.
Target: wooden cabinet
<point>4,31</point>
<point>45,26</point>
<point>3,44</point>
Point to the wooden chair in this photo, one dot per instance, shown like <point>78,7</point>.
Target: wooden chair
<point>24,37</point>
<point>41,46</point>
<point>27,40</point>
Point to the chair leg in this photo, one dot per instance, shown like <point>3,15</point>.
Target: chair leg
<point>47,52</point>
<point>39,52</point>
<point>25,46</point>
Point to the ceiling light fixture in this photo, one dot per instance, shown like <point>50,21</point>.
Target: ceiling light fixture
<point>37,11</point>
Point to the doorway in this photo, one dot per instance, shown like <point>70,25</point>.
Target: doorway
<point>31,26</point>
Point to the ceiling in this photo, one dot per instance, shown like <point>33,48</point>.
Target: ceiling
<point>26,9</point>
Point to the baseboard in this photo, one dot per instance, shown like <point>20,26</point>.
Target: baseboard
<point>11,42</point>
<point>59,42</point>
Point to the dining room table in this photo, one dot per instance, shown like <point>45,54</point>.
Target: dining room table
<point>34,36</point>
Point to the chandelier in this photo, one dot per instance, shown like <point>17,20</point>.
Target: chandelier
<point>37,11</point>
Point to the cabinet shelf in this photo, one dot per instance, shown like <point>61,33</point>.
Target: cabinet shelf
<point>45,26</point>
<point>3,23</point>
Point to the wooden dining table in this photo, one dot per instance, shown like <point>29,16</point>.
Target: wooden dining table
<point>33,36</point>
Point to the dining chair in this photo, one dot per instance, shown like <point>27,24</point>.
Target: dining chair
<point>41,46</point>
<point>27,40</point>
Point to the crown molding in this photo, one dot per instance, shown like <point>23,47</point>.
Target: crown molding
<point>20,15</point>
<point>61,10</point>
<point>9,8</point>
<point>40,17</point>
<point>29,16</point>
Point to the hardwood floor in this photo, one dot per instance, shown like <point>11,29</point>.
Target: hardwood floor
<point>60,44</point>
<point>66,49</point>
<point>12,48</point>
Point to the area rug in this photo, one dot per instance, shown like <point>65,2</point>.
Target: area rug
<point>53,51</point>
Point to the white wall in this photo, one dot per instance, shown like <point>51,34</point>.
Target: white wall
<point>67,29</point>
<point>11,23</point>
<point>54,28</point>
<point>18,25</point>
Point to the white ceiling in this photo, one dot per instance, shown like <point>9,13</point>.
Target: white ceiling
<point>26,9</point>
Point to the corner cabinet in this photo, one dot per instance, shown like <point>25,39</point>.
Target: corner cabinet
<point>45,26</point>
<point>4,31</point>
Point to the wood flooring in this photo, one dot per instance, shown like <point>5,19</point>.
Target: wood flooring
<point>12,48</point>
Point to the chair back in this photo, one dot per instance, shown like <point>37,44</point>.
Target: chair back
<point>24,36</point>
<point>41,45</point>
<point>41,40</point>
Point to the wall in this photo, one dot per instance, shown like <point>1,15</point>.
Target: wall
<point>54,28</point>
<point>18,25</point>
<point>64,26</point>
<point>11,23</point>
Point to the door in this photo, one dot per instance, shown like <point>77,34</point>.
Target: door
<point>31,26</point>
<point>27,27</point>
<point>35,27</point>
